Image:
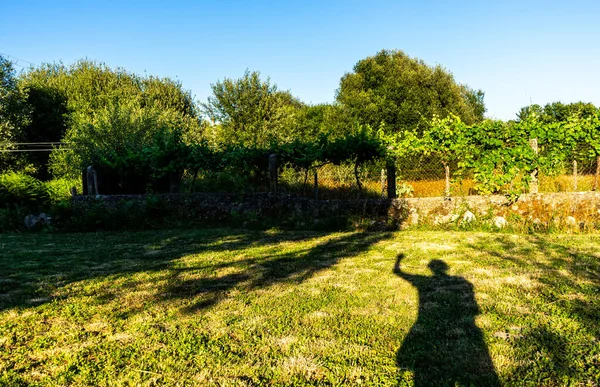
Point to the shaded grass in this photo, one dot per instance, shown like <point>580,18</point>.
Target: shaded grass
<point>236,307</point>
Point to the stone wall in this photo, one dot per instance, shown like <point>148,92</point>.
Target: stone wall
<point>245,207</point>
<point>579,210</point>
<point>571,209</point>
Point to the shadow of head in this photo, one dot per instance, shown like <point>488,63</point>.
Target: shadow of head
<point>438,267</point>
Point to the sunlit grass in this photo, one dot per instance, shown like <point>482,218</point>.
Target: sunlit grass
<point>235,307</point>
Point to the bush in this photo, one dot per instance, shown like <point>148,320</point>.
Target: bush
<point>18,190</point>
<point>60,189</point>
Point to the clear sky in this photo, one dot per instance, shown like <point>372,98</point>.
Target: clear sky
<point>517,52</point>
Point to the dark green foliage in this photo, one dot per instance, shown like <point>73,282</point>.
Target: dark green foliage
<point>48,122</point>
<point>557,111</point>
<point>98,112</point>
<point>13,117</point>
<point>404,93</point>
<point>144,134</point>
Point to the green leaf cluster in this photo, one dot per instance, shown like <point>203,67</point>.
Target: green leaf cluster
<point>405,93</point>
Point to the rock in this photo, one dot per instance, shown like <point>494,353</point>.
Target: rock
<point>500,222</point>
<point>571,222</point>
<point>468,217</point>
<point>413,219</point>
<point>30,221</point>
<point>445,219</point>
<point>42,219</point>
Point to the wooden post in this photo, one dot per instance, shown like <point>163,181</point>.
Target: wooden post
<point>273,172</point>
<point>391,179</point>
<point>447,189</point>
<point>575,175</point>
<point>316,186</point>
<point>534,184</point>
<point>595,187</point>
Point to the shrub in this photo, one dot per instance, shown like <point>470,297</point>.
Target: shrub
<point>18,190</point>
<point>60,189</point>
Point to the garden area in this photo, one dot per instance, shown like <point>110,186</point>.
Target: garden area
<point>148,135</point>
<point>234,307</point>
<point>253,239</point>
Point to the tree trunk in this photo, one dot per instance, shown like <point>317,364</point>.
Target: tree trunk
<point>316,186</point>
<point>358,183</point>
<point>534,185</point>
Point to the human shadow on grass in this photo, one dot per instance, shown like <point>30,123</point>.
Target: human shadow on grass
<point>445,347</point>
<point>34,268</point>
<point>264,271</point>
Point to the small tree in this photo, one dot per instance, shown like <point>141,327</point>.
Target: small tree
<point>250,111</point>
<point>446,139</point>
<point>359,147</point>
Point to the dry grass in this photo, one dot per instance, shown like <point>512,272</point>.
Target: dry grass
<point>338,182</point>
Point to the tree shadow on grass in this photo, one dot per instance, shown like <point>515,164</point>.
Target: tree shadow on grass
<point>567,280</point>
<point>445,347</point>
<point>35,267</point>
<point>260,272</point>
<point>564,271</point>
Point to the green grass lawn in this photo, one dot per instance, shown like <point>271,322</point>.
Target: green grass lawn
<point>229,307</point>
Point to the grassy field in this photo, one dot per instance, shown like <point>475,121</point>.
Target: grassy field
<point>231,307</point>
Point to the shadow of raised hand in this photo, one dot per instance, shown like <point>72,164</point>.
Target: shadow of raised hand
<point>445,347</point>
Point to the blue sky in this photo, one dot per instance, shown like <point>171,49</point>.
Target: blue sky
<point>517,52</point>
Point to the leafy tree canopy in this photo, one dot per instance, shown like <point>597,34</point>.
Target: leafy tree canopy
<point>67,102</point>
<point>404,93</point>
<point>13,116</point>
<point>251,111</point>
<point>557,111</point>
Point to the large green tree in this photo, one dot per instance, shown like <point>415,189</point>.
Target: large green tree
<point>13,117</point>
<point>557,111</point>
<point>251,111</point>
<point>67,102</point>
<point>405,93</point>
